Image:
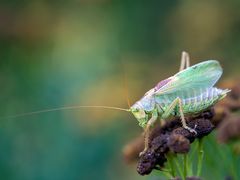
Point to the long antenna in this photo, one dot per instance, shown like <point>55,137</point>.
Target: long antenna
<point>62,108</point>
<point>126,89</point>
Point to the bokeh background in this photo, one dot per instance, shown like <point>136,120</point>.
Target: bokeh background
<point>60,53</point>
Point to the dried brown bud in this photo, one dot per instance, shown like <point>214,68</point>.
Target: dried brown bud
<point>178,144</point>
<point>146,163</point>
<point>132,149</point>
<point>202,126</point>
<point>229,129</point>
<point>235,93</point>
<point>174,137</point>
<point>221,112</point>
<point>159,143</point>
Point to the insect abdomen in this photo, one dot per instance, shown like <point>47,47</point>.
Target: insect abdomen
<point>194,102</point>
<point>203,101</point>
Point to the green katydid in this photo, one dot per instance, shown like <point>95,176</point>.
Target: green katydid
<point>188,92</point>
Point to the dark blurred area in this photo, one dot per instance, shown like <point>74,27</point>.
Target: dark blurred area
<point>62,53</point>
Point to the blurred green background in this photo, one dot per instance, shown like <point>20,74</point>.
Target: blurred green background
<point>56,53</point>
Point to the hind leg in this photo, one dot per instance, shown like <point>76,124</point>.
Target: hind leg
<point>167,113</point>
<point>185,61</point>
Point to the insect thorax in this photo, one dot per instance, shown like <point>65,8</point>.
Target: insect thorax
<point>147,103</point>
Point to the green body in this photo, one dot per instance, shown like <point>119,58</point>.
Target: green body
<point>193,87</point>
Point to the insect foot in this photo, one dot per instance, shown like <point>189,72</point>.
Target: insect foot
<point>191,130</point>
<point>143,152</point>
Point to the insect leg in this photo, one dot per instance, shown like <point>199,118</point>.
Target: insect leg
<point>185,61</point>
<point>147,131</point>
<point>184,124</point>
<point>170,109</point>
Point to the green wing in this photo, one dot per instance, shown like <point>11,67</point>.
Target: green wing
<point>199,76</point>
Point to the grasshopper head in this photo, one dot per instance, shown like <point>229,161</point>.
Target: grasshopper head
<point>143,108</point>
<point>140,114</point>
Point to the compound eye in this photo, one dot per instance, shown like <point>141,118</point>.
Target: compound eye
<point>141,113</point>
<point>135,110</point>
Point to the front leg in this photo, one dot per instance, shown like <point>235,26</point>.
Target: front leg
<point>147,131</point>
<point>170,109</point>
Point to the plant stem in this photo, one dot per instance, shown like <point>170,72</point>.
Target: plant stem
<point>179,168</point>
<point>200,156</point>
<point>185,166</point>
<point>234,165</point>
<point>171,164</point>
